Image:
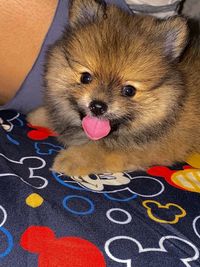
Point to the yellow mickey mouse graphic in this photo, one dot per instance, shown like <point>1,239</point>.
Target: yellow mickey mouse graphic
<point>175,210</point>
<point>189,179</point>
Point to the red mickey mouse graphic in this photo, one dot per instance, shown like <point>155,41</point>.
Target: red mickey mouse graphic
<point>60,252</point>
<point>39,133</point>
<point>185,179</point>
<point>163,172</point>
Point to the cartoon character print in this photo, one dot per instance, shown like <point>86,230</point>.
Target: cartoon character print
<point>5,235</point>
<point>171,250</point>
<point>46,148</point>
<point>120,187</point>
<point>186,179</point>
<point>39,133</point>
<point>9,119</point>
<point>173,212</point>
<point>108,183</point>
<point>63,251</point>
<point>196,226</point>
<point>25,169</point>
<point>6,126</point>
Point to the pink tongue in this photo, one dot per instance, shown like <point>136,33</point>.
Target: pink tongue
<point>95,128</point>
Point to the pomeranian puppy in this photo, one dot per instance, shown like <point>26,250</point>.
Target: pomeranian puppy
<point>121,90</point>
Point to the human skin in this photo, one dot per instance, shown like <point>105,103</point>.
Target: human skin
<point>23,25</point>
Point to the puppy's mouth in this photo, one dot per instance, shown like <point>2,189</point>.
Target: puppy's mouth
<point>90,124</point>
<point>98,127</point>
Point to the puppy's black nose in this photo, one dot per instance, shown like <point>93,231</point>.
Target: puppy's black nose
<point>98,107</point>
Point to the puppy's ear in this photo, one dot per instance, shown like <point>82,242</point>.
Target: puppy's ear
<point>82,11</point>
<point>174,35</point>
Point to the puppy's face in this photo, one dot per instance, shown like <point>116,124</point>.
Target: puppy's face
<point>119,67</point>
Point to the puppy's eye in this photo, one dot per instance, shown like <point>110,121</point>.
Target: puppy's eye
<point>86,78</point>
<point>128,90</point>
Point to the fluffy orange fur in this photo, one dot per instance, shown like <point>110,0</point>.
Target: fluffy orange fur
<point>159,125</point>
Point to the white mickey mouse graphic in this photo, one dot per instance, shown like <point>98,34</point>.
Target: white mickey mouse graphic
<point>24,170</point>
<point>196,226</point>
<point>7,122</point>
<point>5,235</point>
<point>6,126</point>
<point>115,182</point>
<point>97,182</point>
<point>172,251</point>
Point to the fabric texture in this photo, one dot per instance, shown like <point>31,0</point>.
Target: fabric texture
<point>158,8</point>
<point>143,219</point>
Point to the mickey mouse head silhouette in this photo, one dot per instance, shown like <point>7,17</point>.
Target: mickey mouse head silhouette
<point>60,252</point>
<point>39,133</point>
<point>25,170</point>
<point>172,251</point>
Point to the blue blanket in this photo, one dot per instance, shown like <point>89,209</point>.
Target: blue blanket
<point>142,219</point>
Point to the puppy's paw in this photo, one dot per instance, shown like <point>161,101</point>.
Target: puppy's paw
<point>72,162</point>
<point>88,159</point>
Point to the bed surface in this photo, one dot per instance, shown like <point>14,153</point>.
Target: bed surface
<point>125,219</point>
